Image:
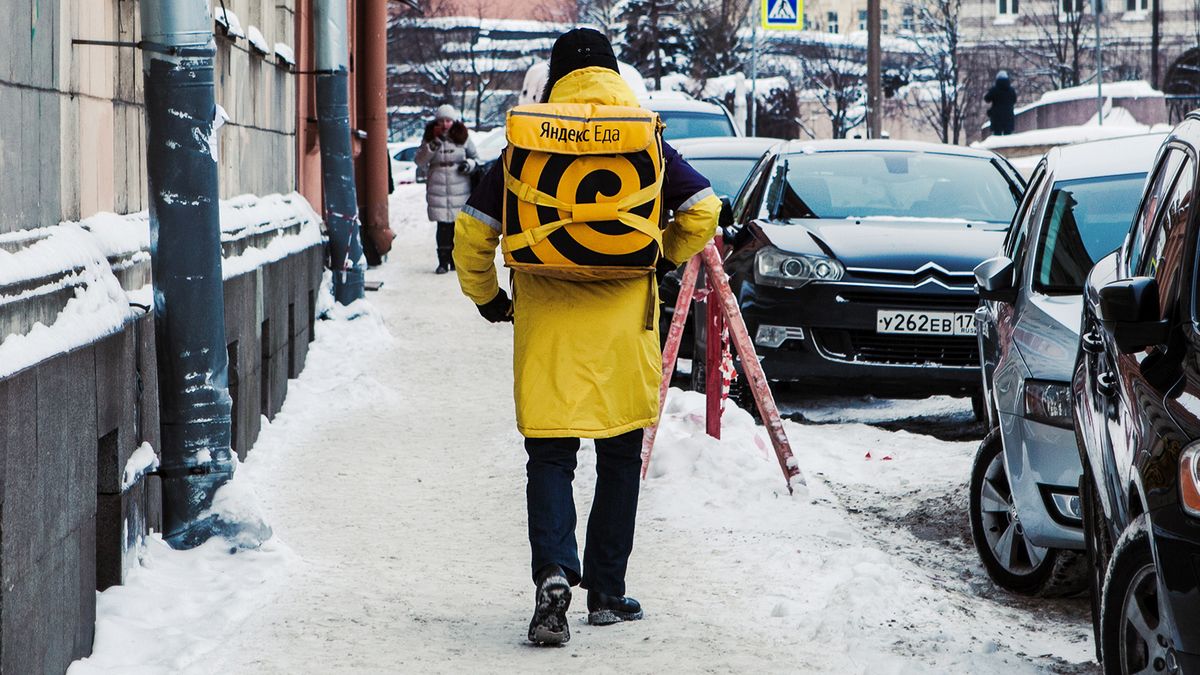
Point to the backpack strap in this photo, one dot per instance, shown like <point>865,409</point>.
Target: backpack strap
<point>580,213</point>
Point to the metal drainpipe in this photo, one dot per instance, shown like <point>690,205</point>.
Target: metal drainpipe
<point>337,161</point>
<point>185,249</point>
<point>373,76</point>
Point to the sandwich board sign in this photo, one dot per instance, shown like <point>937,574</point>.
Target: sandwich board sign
<point>782,14</point>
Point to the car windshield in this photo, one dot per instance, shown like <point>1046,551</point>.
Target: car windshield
<point>406,155</point>
<point>890,184</point>
<point>695,124</point>
<point>725,173</point>
<point>1086,220</point>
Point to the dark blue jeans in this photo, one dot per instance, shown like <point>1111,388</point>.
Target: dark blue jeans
<point>550,469</point>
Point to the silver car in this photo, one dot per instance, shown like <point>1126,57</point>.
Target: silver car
<point>1024,498</point>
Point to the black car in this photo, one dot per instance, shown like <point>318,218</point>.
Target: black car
<point>852,261</point>
<point>1136,397</point>
<point>725,161</point>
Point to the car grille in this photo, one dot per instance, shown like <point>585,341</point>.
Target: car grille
<point>945,303</point>
<point>900,350</point>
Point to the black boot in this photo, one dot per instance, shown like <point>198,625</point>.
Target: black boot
<point>445,262</point>
<point>608,609</point>
<point>549,624</point>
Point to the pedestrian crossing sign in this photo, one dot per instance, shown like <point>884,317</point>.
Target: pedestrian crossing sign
<point>782,14</point>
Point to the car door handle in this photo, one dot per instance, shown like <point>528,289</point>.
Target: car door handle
<point>1106,383</point>
<point>1092,343</point>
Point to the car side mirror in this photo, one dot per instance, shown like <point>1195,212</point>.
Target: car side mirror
<point>996,279</point>
<point>1129,311</point>
<point>725,221</point>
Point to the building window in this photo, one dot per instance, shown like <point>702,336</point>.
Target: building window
<point>1067,6</point>
<point>831,19</point>
<point>883,25</point>
<point>1136,5</point>
<point>862,19</point>
<point>907,20</point>
<point>1007,7</point>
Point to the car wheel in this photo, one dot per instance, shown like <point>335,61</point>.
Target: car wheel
<point>1011,560</point>
<point>1099,547</point>
<point>1132,632</point>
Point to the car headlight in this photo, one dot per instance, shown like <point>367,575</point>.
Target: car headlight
<point>1048,402</point>
<point>1189,480</point>
<point>773,267</point>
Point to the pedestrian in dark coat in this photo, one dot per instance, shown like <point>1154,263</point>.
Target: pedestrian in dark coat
<point>1003,98</point>
<point>449,157</point>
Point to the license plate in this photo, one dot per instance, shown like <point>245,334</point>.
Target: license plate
<point>925,323</point>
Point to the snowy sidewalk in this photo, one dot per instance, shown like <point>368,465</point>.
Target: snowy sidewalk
<point>394,480</point>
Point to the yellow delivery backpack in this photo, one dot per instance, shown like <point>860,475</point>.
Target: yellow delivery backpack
<point>583,186</point>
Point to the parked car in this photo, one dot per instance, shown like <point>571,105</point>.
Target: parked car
<point>686,117</point>
<point>1136,395</point>
<point>404,169</point>
<point>1024,498</point>
<point>853,259</point>
<point>725,161</point>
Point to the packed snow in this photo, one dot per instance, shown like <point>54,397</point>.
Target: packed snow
<point>394,481</point>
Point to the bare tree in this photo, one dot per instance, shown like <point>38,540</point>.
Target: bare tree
<point>1057,53</point>
<point>942,101</point>
<point>716,46</point>
<point>603,15</point>
<point>833,74</point>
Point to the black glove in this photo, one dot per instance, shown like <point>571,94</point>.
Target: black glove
<point>464,167</point>
<point>663,268</point>
<point>497,309</point>
<point>428,135</point>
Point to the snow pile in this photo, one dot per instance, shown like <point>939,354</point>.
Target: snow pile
<point>840,570</point>
<point>141,462</point>
<point>722,473</point>
<point>257,42</point>
<point>210,592</point>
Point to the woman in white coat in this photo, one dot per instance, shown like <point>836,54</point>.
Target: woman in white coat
<point>448,157</point>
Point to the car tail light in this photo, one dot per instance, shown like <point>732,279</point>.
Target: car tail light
<point>1189,479</point>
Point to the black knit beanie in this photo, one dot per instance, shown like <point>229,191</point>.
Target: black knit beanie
<point>575,49</point>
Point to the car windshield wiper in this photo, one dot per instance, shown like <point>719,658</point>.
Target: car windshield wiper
<point>784,203</point>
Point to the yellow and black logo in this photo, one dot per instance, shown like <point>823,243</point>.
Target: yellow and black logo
<point>582,191</point>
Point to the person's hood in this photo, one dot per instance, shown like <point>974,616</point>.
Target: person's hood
<point>594,84</point>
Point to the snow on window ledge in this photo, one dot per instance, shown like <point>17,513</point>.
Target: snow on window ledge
<point>1135,15</point>
<point>228,21</point>
<point>284,54</point>
<point>1004,20</point>
<point>258,43</point>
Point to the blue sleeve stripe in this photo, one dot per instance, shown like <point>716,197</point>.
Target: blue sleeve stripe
<point>485,218</point>
<point>695,199</point>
